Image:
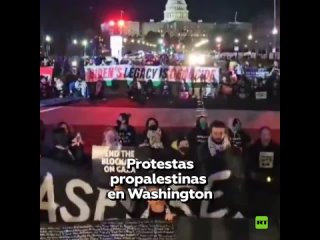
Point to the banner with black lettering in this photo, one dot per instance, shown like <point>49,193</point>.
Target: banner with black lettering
<point>154,73</point>
<point>107,162</point>
<point>77,195</point>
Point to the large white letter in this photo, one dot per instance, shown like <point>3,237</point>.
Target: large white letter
<point>47,188</point>
<point>130,162</point>
<point>82,205</point>
<point>102,203</point>
<point>219,176</point>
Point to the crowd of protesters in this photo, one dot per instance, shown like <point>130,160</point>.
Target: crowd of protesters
<point>235,82</point>
<point>245,167</point>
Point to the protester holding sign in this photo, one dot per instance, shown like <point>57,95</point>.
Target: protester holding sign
<point>263,162</point>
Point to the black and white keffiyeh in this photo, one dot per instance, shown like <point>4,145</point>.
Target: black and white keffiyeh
<point>214,148</point>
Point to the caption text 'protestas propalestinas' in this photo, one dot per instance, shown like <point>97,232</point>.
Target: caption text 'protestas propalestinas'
<point>123,163</point>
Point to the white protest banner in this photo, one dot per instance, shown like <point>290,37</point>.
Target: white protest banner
<point>261,95</point>
<point>211,73</point>
<point>266,159</point>
<point>112,160</point>
<point>122,72</point>
<point>154,73</point>
<point>176,73</point>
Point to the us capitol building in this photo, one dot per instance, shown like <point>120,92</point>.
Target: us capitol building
<point>176,22</point>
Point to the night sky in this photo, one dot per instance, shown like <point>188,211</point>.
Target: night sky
<point>74,17</point>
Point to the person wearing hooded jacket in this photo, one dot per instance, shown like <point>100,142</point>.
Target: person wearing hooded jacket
<point>200,133</point>
<point>238,137</point>
<point>127,133</point>
<point>263,174</point>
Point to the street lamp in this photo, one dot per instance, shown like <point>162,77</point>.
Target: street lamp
<point>48,38</point>
<point>250,37</point>
<point>85,44</point>
<point>160,41</point>
<point>48,41</point>
<point>75,41</point>
<point>236,47</point>
<point>74,63</point>
<point>218,39</point>
<point>121,23</point>
<point>274,31</point>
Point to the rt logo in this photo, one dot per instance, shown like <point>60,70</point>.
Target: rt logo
<point>261,222</point>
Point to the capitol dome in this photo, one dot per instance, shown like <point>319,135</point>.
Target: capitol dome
<point>176,10</point>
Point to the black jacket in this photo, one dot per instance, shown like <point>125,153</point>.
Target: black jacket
<point>263,162</point>
<point>240,139</point>
<point>127,136</point>
<point>198,135</point>
<point>235,195</point>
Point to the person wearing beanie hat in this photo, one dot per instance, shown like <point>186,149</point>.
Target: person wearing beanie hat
<point>127,133</point>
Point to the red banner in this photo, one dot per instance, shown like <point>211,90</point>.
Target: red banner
<point>46,71</point>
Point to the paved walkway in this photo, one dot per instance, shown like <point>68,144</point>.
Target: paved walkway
<point>58,101</point>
